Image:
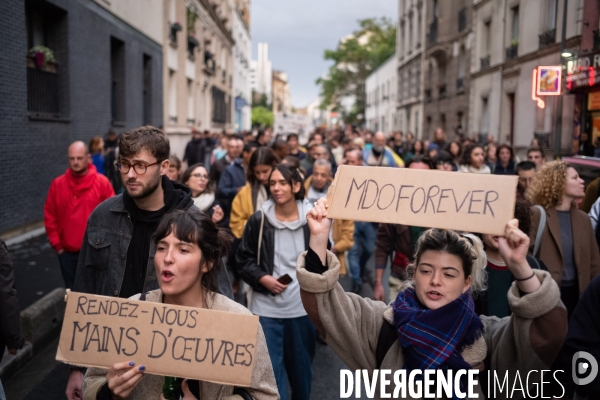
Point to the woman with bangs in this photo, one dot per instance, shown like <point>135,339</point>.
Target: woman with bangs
<point>432,323</point>
<point>189,247</point>
<point>273,239</point>
<point>573,263</point>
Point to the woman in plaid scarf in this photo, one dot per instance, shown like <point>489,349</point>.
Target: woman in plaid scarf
<point>433,324</point>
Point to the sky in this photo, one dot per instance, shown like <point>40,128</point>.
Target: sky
<point>299,31</point>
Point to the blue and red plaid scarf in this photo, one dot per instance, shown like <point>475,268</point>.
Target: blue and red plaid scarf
<point>433,339</point>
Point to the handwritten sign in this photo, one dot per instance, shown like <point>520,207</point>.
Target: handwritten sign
<point>207,345</point>
<point>435,199</point>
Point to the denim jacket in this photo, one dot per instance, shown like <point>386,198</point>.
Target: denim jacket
<point>103,254</point>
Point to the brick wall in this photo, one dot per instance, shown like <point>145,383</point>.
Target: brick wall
<point>33,152</point>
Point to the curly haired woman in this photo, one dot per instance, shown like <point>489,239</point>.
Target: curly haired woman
<point>572,263</point>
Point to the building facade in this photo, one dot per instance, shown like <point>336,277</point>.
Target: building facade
<point>511,39</point>
<point>282,99</point>
<point>582,72</point>
<point>198,68</point>
<point>380,87</point>
<point>242,55</point>
<point>101,70</point>
<point>261,80</point>
<point>447,51</point>
<point>410,44</point>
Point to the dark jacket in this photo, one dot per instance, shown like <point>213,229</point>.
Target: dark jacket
<point>509,170</point>
<point>583,335</point>
<point>246,255</point>
<point>217,169</point>
<point>232,179</point>
<point>11,335</point>
<point>195,151</point>
<point>103,255</point>
<point>585,248</point>
<point>392,238</point>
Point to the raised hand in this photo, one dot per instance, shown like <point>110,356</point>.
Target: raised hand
<point>513,248</point>
<point>319,226</point>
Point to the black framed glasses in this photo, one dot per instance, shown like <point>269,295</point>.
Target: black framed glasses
<point>139,169</point>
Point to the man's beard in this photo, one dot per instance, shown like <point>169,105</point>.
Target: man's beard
<point>147,190</point>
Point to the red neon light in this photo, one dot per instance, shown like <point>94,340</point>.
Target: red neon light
<point>592,78</point>
<point>539,101</point>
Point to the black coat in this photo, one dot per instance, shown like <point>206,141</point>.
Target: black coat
<point>246,255</point>
<point>11,335</point>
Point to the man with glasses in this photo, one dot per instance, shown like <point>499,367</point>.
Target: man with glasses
<point>71,199</point>
<point>117,254</point>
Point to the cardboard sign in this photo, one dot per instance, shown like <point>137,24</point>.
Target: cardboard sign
<point>185,342</point>
<point>435,199</point>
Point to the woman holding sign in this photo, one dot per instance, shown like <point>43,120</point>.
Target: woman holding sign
<point>273,239</point>
<point>432,325</point>
<point>189,249</point>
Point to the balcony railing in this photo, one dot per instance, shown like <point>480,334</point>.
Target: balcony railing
<point>547,38</point>
<point>512,51</point>
<point>460,84</point>
<point>462,19</point>
<point>42,91</point>
<point>433,32</point>
<point>485,61</point>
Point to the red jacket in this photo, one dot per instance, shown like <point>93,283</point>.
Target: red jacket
<point>70,202</point>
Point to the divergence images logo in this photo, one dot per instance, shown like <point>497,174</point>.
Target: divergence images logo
<point>579,367</point>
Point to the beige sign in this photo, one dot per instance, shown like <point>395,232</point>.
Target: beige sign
<point>185,342</point>
<point>434,199</point>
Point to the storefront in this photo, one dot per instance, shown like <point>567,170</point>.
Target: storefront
<point>583,80</point>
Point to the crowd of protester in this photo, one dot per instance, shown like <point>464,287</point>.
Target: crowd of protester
<point>248,205</point>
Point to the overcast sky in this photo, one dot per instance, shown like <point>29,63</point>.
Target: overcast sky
<point>299,31</point>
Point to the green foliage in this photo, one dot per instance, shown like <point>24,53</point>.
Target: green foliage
<point>192,16</point>
<point>48,54</point>
<point>354,59</point>
<point>260,100</point>
<point>262,116</point>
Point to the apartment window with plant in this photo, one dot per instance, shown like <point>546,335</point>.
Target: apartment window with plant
<point>46,47</point>
<point>514,32</point>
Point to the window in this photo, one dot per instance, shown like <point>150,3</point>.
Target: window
<point>219,105</point>
<point>117,76</point>
<point>514,33</point>
<point>46,25</point>
<point>147,90</point>
<point>550,14</point>
<point>487,31</point>
<point>190,102</point>
<point>172,96</point>
<point>410,35</point>
<point>485,116</point>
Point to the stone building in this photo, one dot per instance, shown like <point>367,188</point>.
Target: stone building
<point>511,38</point>
<point>380,87</point>
<point>242,55</point>
<point>198,68</point>
<point>410,44</point>
<point>105,72</point>
<point>445,68</point>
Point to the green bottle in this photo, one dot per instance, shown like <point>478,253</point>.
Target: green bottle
<point>172,388</point>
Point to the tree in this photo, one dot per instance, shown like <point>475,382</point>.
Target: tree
<point>261,116</point>
<point>353,61</point>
